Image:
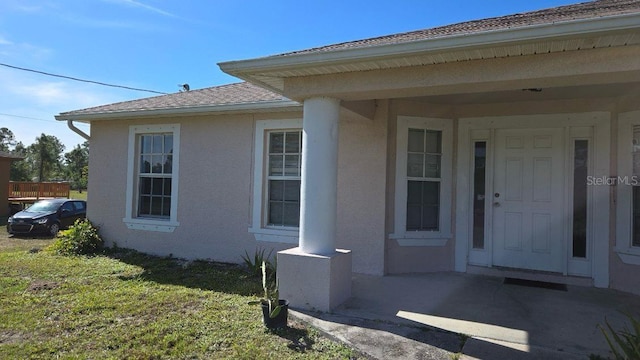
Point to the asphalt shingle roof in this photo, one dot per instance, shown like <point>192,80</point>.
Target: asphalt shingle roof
<point>585,10</point>
<point>231,94</point>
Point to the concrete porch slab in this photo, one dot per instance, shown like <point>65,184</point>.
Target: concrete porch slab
<point>442,314</point>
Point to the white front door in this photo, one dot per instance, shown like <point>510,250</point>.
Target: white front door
<point>528,199</point>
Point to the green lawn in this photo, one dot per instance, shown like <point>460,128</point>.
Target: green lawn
<point>75,194</point>
<point>129,305</point>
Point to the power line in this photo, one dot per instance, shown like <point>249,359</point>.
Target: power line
<point>81,80</point>
<point>32,118</point>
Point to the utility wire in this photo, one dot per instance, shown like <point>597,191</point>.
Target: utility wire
<point>32,118</point>
<point>81,80</point>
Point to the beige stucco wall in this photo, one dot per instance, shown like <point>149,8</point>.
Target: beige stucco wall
<point>214,189</point>
<point>216,175</point>
<point>624,276</point>
<point>361,188</point>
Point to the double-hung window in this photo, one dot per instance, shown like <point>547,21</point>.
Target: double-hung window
<point>423,181</point>
<point>424,158</point>
<point>283,178</point>
<point>152,177</point>
<point>276,182</point>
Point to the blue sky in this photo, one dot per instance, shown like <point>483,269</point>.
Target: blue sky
<point>158,44</point>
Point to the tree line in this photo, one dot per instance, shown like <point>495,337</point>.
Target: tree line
<point>45,160</point>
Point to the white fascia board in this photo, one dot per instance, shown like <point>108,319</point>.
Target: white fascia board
<point>288,105</point>
<point>446,43</point>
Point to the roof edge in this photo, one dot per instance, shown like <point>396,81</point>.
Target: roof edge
<point>454,42</point>
<point>284,105</point>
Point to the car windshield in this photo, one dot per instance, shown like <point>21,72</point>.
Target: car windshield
<point>43,206</point>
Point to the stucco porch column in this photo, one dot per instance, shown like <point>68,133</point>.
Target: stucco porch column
<point>316,275</point>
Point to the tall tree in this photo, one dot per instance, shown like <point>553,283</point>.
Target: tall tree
<point>7,139</point>
<point>76,161</point>
<point>21,170</point>
<point>47,151</point>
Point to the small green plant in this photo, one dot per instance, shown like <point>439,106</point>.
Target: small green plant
<point>625,343</point>
<point>254,263</point>
<point>81,238</point>
<point>271,294</point>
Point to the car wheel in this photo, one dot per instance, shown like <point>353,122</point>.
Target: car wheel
<point>53,229</point>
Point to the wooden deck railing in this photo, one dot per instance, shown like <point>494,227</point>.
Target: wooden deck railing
<point>19,190</point>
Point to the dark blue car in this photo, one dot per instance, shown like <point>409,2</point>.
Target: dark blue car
<point>47,217</point>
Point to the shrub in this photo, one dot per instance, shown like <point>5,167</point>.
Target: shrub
<point>254,264</point>
<point>625,344</point>
<point>81,238</point>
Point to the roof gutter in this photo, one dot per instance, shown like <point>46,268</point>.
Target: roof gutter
<point>247,68</point>
<point>279,105</point>
<point>77,131</point>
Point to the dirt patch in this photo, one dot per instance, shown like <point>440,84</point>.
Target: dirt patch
<point>10,337</point>
<point>42,286</point>
<point>26,243</point>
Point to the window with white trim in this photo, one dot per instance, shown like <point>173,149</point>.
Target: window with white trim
<point>152,177</point>
<point>277,177</point>
<point>283,178</point>
<point>628,188</point>
<point>155,171</point>
<point>423,181</point>
<point>424,153</point>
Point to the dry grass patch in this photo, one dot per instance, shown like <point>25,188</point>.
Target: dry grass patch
<point>129,305</point>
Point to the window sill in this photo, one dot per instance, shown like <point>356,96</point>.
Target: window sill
<point>273,235</point>
<point>151,225</point>
<point>421,239</point>
<point>629,256</point>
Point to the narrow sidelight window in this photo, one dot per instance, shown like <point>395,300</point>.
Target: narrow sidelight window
<point>635,236</point>
<point>424,155</point>
<point>479,189</point>
<point>283,173</point>
<point>636,216</point>
<point>580,173</point>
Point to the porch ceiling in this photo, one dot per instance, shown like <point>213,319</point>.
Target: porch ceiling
<point>617,90</point>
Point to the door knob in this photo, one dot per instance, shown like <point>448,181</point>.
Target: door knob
<point>496,204</point>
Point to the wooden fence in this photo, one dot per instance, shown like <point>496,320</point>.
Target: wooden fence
<point>19,190</point>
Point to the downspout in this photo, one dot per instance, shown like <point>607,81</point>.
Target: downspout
<point>77,131</point>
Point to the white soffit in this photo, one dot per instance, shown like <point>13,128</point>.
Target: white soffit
<point>596,33</point>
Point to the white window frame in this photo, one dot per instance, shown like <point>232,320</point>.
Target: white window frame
<point>628,253</point>
<point>258,228</point>
<point>131,195</point>
<point>423,238</point>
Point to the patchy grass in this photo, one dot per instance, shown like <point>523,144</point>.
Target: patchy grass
<point>75,194</point>
<point>25,243</point>
<point>129,305</point>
